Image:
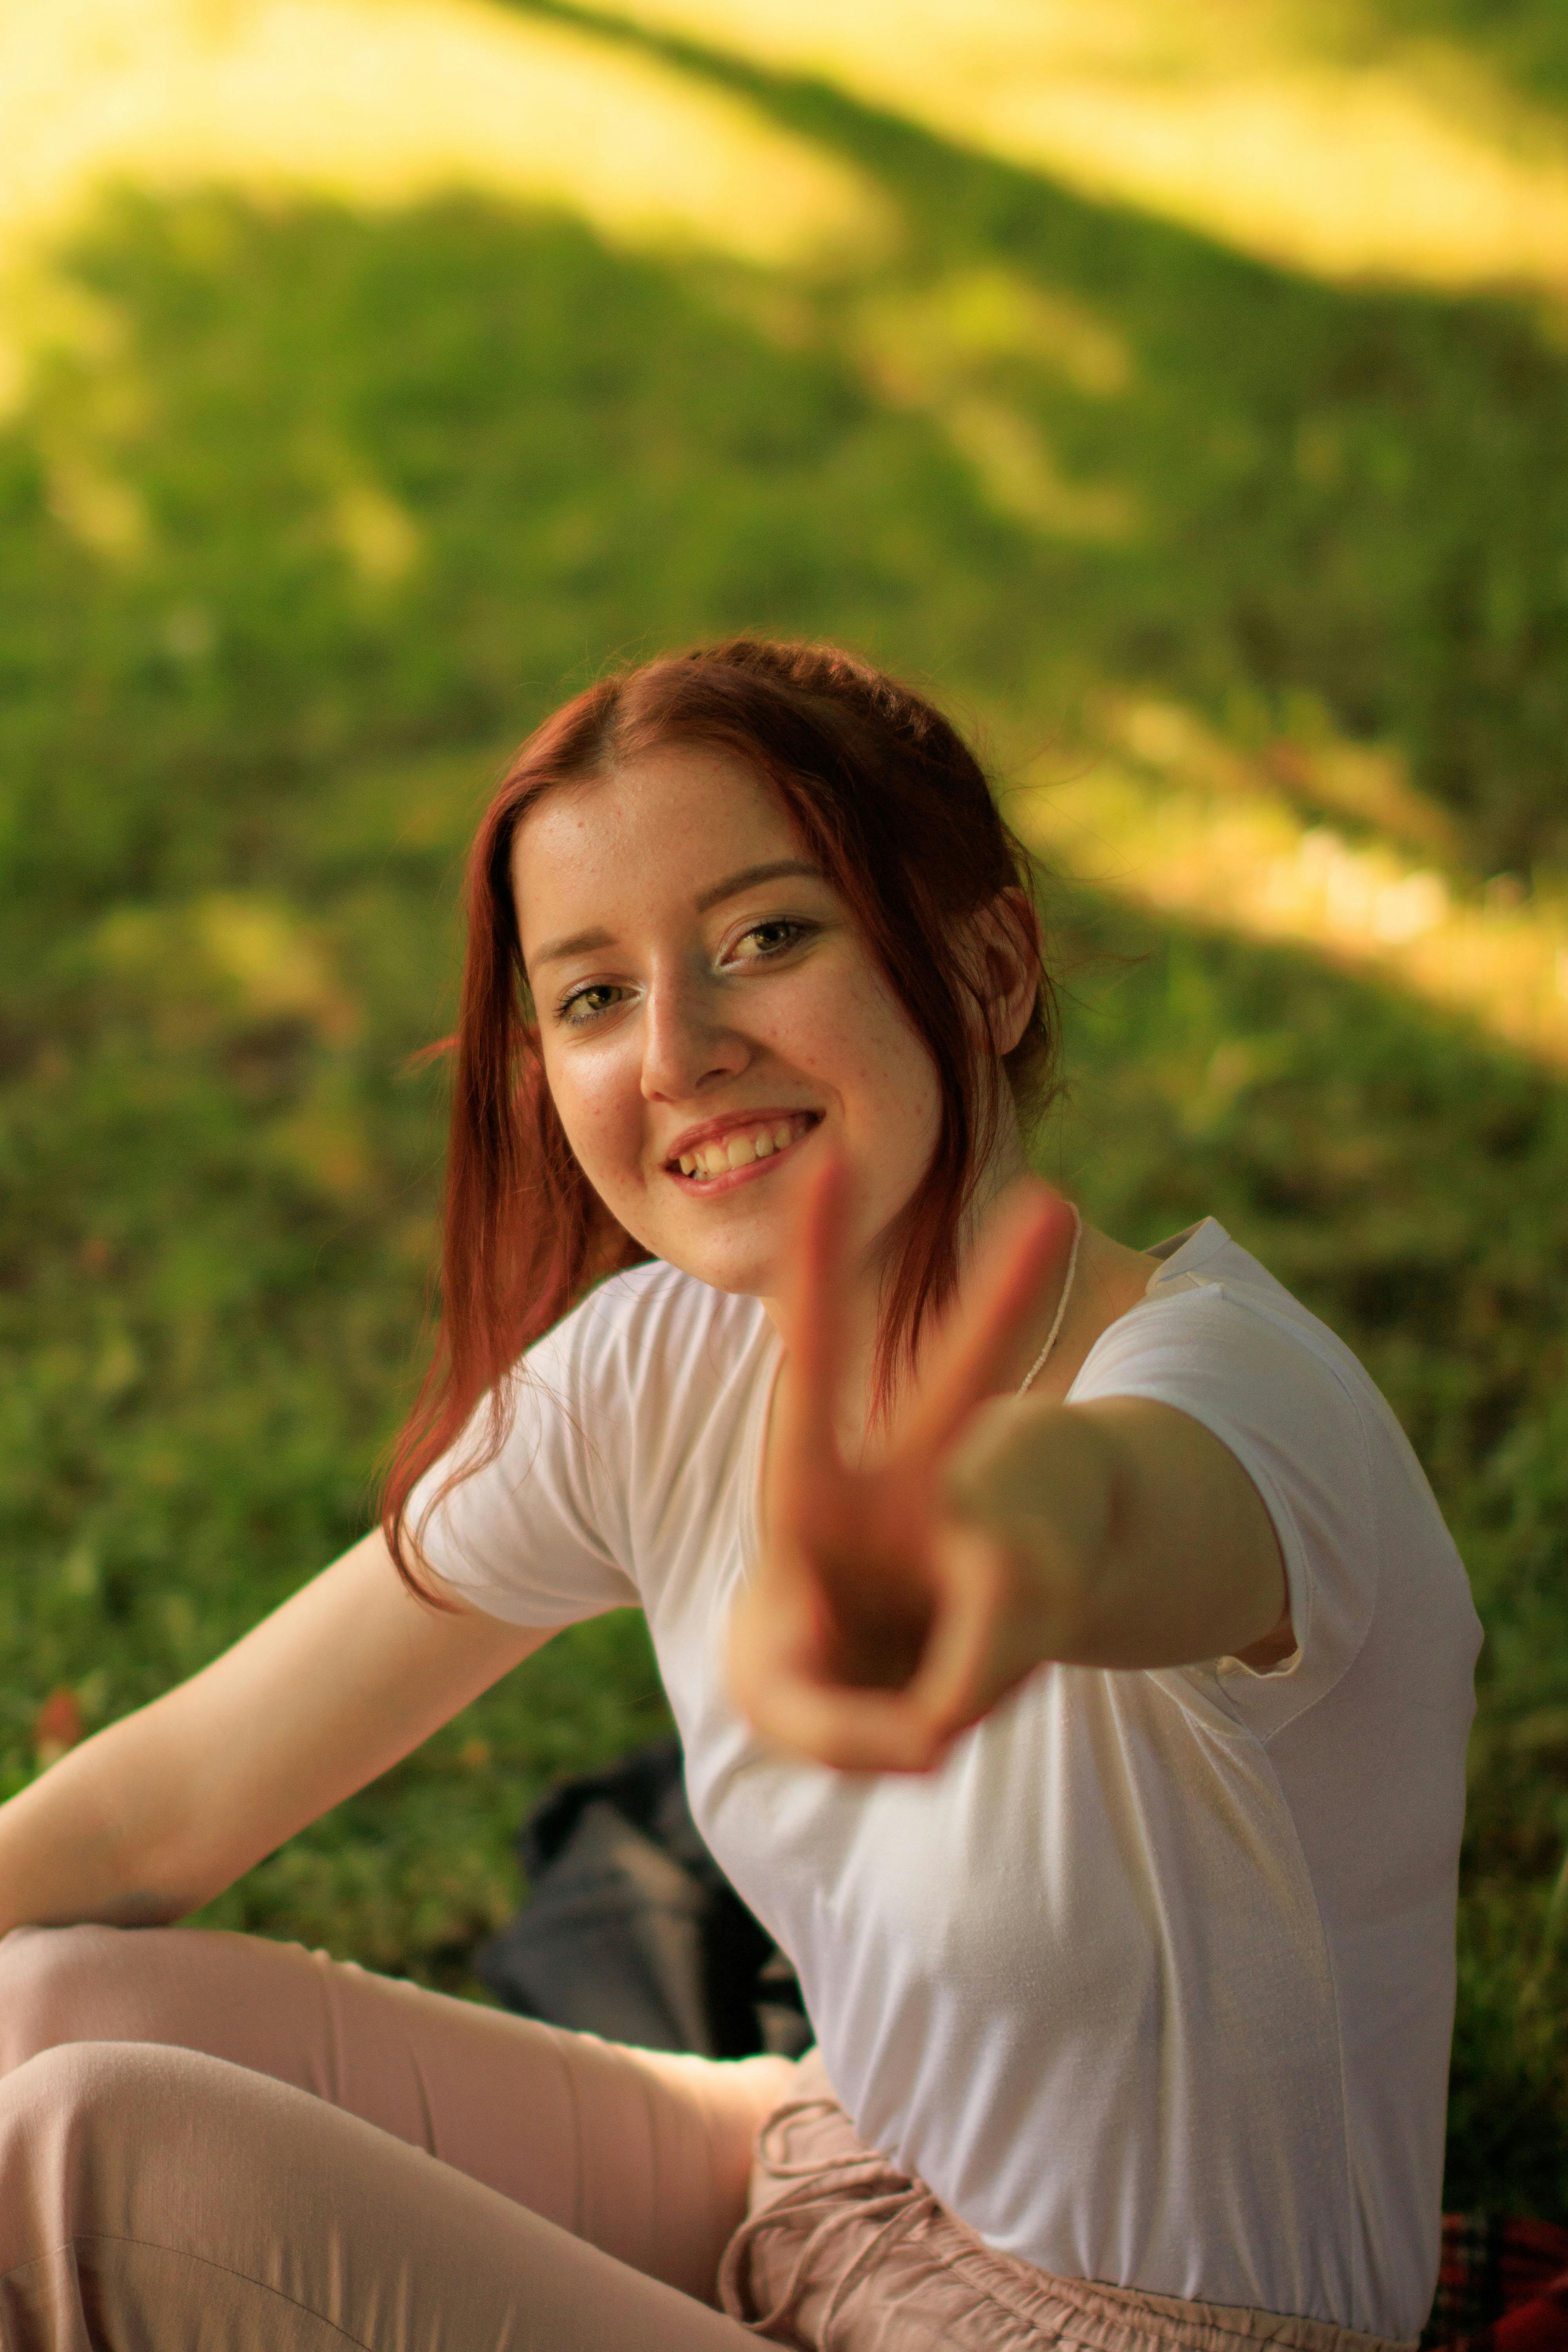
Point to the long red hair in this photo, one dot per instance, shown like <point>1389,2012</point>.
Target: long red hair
<point>895,808</point>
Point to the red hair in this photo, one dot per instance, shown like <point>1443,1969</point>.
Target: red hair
<point>895,808</point>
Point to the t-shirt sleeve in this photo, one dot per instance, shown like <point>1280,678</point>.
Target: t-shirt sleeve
<point>538,1534</point>
<point>1274,1395</point>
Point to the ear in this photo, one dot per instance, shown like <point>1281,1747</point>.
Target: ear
<point>1006,935</point>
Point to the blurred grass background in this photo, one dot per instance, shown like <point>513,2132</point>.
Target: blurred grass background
<point>358,407</point>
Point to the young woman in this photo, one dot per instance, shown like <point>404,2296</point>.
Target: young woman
<point>1073,1668</point>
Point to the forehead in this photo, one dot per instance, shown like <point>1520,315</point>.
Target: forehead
<point>651,832</point>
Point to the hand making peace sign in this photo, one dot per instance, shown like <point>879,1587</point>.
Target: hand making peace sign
<point>880,1621</point>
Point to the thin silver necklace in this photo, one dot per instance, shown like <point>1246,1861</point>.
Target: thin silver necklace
<point>1062,1305</point>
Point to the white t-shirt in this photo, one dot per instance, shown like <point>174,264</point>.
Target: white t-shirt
<point>1152,1980</point>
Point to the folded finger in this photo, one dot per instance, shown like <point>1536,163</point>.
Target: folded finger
<point>849,1729</point>
<point>961,1672</point>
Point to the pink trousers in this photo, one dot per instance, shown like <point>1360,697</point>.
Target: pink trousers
<point>215,2143</point>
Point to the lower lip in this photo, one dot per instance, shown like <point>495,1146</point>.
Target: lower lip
<point>705,1188</point>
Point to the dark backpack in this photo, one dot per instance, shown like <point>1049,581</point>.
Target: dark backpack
<point>631,1930</point>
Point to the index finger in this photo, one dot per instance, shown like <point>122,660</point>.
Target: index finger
<point>1030,1239</point>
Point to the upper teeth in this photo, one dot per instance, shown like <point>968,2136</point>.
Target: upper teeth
<point>739,1149</point>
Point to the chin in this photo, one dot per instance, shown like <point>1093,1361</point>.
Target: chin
<point>749,1272</point>
<point>735,1271</point>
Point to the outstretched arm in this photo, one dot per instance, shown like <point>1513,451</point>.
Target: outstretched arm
<point>894,1607</point>
<point>1141,1538</point>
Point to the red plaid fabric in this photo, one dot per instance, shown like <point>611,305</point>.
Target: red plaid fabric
<point>1503,2286</point>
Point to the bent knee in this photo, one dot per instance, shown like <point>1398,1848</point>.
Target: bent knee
<point>73,2078</point>
<point>84,1983</point>
<point>84,2120</point>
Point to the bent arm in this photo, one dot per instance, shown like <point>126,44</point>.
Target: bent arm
<point>157,1813</point>
<point>1142,1539</point>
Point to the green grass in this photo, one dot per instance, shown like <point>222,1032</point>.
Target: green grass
<point>221,1178</point>
<point>1522,41</point>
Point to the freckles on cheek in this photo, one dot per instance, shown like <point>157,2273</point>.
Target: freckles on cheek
<point>601,1124</point>
<point>886,1068</point>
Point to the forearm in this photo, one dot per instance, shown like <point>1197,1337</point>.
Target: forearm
<point>1141,1539</point>
<point>67,1851</point>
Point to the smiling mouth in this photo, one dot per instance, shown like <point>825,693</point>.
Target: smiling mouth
<point>722,1154</point>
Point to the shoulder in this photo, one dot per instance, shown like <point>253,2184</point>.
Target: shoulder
<point>1214,1315</point>
<point>1226,1340</point>
<point>1221,1340</point>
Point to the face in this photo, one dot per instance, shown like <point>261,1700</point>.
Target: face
<point>711,1019</point>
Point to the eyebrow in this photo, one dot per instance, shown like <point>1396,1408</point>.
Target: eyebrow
<point>775,870</point>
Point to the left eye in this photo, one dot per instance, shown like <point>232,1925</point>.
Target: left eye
<point>772,939</point>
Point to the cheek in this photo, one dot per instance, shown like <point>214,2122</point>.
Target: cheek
<point>597,1100</point>
<point>847,1029</point>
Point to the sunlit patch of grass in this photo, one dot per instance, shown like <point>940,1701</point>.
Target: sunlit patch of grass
<point>1236,117</point>
<point>389,102</point>
<point>946,350</point>
<point>1193,830</point>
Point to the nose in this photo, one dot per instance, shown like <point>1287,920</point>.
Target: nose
<point>687,1045</point>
